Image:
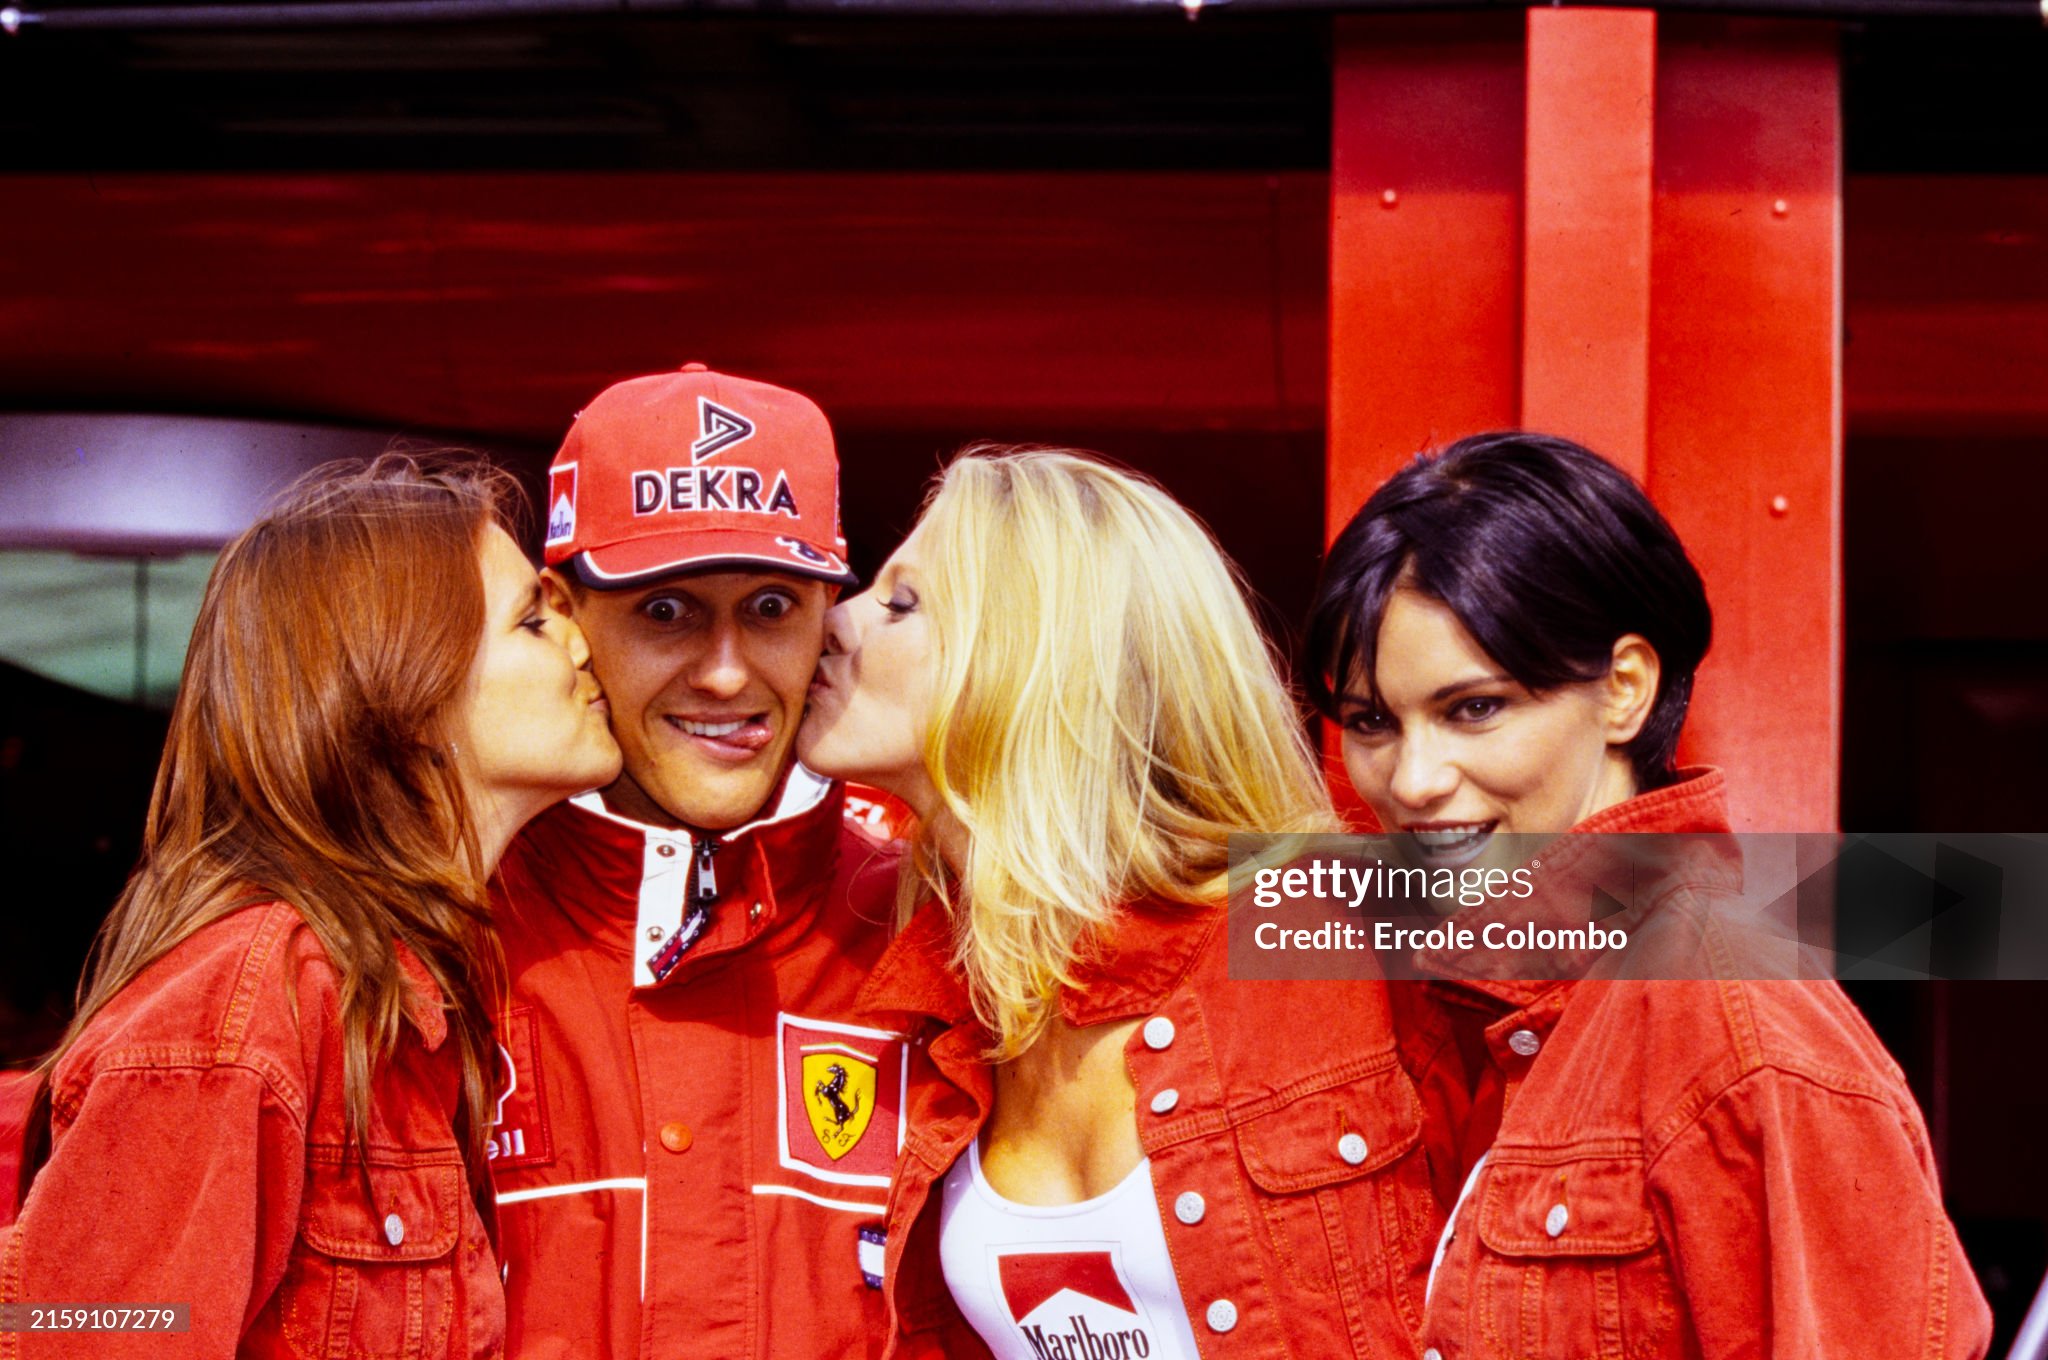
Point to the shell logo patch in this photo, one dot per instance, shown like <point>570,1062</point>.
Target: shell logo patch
<point>842,1090</point>
<point>519,1137</point>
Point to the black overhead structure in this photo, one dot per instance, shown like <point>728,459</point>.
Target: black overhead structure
<point>348,13</point>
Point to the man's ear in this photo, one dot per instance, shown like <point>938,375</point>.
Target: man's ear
<point>558,592</point>
<point>1631,687</point>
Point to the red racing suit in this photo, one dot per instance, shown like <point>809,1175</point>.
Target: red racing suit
<point>1284,1139</point>
<point>1683,1167</point>
<point>696,1146</point>
<point>200,1155</point>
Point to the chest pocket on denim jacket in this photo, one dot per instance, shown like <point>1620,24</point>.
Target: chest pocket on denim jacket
<point>1322,1158</point>
<point>376,1278</point>
<point>1571,1263</point>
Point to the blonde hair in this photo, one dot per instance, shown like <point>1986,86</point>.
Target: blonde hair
<point>1106,712</point>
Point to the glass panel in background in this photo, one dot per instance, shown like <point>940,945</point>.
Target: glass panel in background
<point>112,626</point>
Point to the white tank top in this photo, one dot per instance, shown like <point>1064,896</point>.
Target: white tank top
<point>1091,1281</point>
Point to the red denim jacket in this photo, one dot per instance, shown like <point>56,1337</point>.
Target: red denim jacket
<point>1680,1168</point>
<point>1281,1104</point>
<point>200,1156</point>
<point>17,1089</point>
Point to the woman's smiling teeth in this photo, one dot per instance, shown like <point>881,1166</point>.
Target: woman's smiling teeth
<point>1448,837</point>
<point>1451,845</point>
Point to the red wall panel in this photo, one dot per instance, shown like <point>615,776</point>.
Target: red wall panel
<point>1587,222</point>
<point>1425,241</point>
<point>1586,276</point>
<point>1745,383</point>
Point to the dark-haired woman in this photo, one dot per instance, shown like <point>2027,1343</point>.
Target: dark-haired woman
<point>273,1104</point>
<point>1507,632</point>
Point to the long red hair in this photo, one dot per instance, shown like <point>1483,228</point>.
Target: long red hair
<point>309,760</point>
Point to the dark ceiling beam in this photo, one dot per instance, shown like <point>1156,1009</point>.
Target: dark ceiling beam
<point>349,13</point>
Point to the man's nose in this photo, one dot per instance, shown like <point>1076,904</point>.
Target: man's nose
<point>721,669</point>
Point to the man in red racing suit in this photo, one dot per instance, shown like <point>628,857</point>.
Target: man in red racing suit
<point>693,1151</point>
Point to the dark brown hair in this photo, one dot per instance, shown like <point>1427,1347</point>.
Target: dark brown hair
<point>1546,552</point>
<point>308,761</point>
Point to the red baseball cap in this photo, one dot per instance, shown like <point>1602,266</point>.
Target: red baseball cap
<point>694,471</point>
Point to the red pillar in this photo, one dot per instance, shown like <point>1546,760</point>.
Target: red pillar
<point>1426,240</point>
<point>1580,221</point>
<point>1586,245</point>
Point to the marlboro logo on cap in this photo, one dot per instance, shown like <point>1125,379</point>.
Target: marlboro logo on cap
<point>695,471</point>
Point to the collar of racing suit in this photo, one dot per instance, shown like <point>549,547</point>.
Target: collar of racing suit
<point>711,893</point>
<point>1693,806</point>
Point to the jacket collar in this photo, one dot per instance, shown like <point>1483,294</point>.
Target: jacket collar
<point>425,1005</point>
<point>914,979</point>
<point>1127,968</point>
<point>1141,955</point>
<point>801,791</point>
<point>1695,804</point>
<point>595,860</point>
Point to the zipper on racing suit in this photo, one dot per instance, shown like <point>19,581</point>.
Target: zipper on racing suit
<point>700,895</point>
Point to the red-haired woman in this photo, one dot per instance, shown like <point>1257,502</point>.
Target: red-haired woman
<point>274,1103</point>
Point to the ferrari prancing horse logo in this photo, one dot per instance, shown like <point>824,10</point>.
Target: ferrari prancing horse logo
<point>840,1102</point>
<point>839,1082</point>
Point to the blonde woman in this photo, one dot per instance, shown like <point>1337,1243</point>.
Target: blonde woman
<point>1113,1148</point>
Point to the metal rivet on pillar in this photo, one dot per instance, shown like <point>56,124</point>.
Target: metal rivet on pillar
<point>1388,198</point>
<point>1780,208</point>
<point>1780,507</point>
